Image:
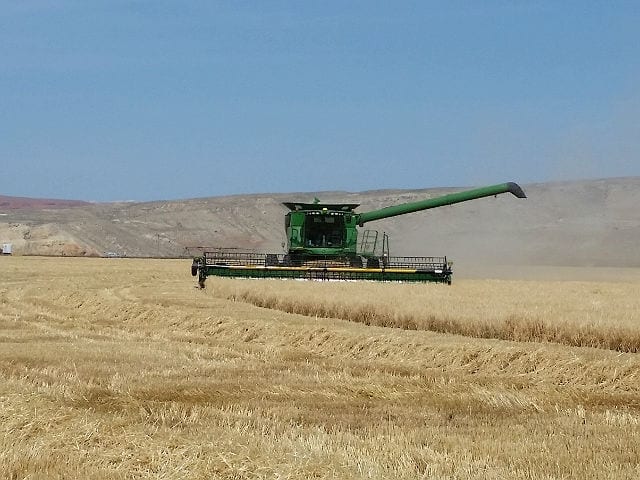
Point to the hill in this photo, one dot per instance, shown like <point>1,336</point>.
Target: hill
<point>15,203</point>
<point>578,223</point>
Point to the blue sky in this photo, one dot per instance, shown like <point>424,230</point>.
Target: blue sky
<point>148,100</point>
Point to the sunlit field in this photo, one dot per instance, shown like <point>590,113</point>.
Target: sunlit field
<point>121,368</point>
<point>603,315</point>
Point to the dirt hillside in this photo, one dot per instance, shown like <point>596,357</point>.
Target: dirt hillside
<point>585,223</point>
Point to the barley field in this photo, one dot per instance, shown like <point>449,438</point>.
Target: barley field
<point>121,368</point>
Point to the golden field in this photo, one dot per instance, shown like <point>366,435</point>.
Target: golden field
<point>121,368</point>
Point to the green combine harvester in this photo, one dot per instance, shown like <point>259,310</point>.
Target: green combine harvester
<point>323,244</point>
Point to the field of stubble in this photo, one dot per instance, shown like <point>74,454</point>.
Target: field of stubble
<point>122,369</point>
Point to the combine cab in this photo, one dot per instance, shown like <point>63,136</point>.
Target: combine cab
<point>323,245</point>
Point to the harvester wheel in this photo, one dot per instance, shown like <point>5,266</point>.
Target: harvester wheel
<point>356,262</point>
<point>373,263</point>
<point>291,260</point>
<point>271,260</point>
<point>194,269</point>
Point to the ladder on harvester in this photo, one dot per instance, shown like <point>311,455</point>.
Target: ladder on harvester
<point>374,250</point>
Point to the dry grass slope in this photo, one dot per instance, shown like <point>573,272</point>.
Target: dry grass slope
<point>122,369</point>
<point>579,223</point>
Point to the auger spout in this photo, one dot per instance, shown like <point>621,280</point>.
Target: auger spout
<point>509,187</point>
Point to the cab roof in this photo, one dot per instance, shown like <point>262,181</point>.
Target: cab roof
<point>337,207</point>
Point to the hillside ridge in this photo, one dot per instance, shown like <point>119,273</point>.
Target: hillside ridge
<point>572,223</point>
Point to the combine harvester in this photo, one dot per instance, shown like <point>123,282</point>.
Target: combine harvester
<point>323,245</point>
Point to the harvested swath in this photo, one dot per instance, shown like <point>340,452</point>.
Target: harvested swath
<point>583,314</point>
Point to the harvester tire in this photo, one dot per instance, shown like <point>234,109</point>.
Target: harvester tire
<point>271,260</point>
